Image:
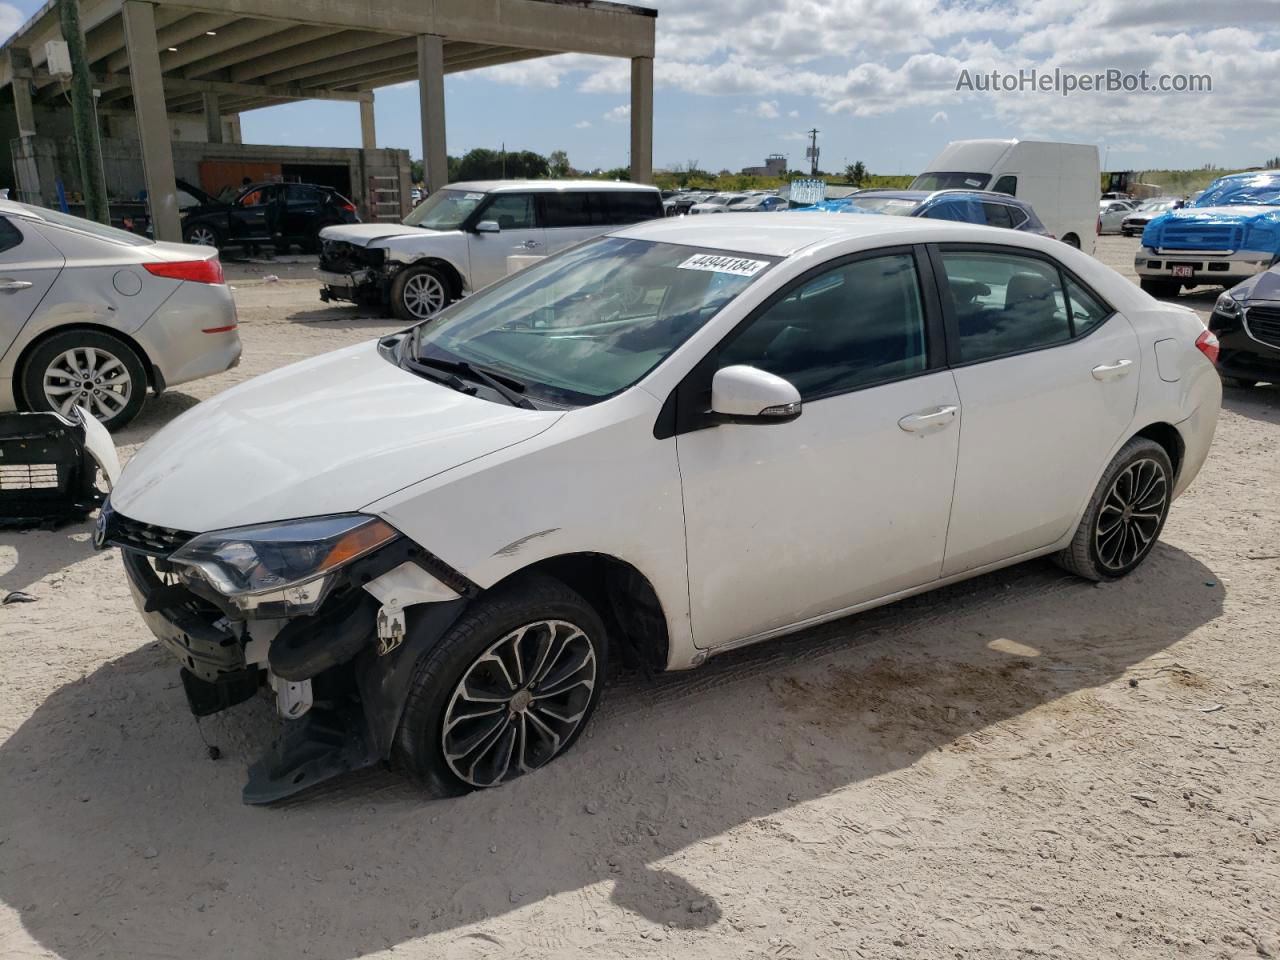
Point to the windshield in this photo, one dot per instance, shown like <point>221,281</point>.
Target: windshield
<point>950,181</point>
<point>1155,206</point>
<point>588,323</point>
<point>92,227</point>
<point>893,206</point>
<point>719,199</point>
<point>1262,189</point>
<point>444,209</point>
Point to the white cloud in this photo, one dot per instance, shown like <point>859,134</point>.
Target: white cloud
<point>582,124</point>
<point>767,109</point>
<point>619,114</point>
<point>11,18</point>
<point>793,113</point>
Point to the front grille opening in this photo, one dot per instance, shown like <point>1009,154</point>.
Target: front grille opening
<point>146,538</point>
<point>29,476</point>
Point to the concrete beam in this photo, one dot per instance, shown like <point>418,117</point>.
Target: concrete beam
<point>642,119</point>
<point>435,156</point>
<point>212,117</point>
<point>19,63</point>
<point>374,54</point>
<point>241,61</point>
<point>184,31</point>
<point>554,27</point>
<point>153,122</point>
<point>400,66</point>
<point>228,38</point>
<point>368,126</point>
<point>119,85</point>
<point>401,73</point>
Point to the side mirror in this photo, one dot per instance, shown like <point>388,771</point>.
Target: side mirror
<point>743,394</point>
<point>488,226</point>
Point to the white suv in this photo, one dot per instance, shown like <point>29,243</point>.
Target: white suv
<point>468,235</point>
<point>681,438</point>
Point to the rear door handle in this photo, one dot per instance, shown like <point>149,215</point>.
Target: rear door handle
<point>13,286</point>
<point>928,420</point>
<point>529,245</point>
<point>1112,371</point>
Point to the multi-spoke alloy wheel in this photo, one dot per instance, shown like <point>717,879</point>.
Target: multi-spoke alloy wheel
<point>520,703</point>
<point>202,236</point>
<point>423,295</point>
<point>1131,514</point>
<point>89,377</point>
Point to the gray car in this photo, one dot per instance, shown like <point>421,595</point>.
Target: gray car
<point>90,316</point>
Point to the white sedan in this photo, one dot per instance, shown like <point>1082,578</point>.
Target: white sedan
<point>680,438</point>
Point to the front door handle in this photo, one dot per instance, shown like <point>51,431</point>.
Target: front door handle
<point>530,244</point>
<point>1112,371</point>
<point>13,286</point>
<point>928,420</point>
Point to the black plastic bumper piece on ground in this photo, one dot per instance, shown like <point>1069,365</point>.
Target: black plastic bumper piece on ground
<point>47,477</point>
<point>322,745</point>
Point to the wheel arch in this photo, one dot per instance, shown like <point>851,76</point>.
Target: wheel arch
<point>624,598</point>
<point>1167,435</point>
<point>153,375</point>
<point>451,273</point>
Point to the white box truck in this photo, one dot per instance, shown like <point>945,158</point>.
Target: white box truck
<point>1059,180</point>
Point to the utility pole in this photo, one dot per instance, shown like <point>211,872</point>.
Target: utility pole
<point>84,115</point>
<point>812,152</point>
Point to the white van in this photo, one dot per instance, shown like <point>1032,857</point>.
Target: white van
<point>1059,180</point>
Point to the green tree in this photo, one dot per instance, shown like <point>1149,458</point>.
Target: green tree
<point>857,173</point>
<point>416,173</point>
<point>559,164</point>
<point>618,173</point>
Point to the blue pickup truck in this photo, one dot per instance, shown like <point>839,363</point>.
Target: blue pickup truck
<point>1231,233</point>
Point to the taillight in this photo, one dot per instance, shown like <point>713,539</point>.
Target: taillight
<point>197,271</point>
<point>1207,344</point>
<point>349,207</point>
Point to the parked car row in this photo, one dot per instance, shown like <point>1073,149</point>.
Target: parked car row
<point>964,206</point>
<point>278,214</point>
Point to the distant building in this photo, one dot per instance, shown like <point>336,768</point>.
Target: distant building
<point>775,165</point>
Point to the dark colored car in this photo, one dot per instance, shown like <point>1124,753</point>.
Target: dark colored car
<point>966,206</point>
<point>1246,321</point>
<point>267,213</point>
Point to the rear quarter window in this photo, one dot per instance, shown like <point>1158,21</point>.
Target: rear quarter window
<point>618,207</point>
<point>10,236</point>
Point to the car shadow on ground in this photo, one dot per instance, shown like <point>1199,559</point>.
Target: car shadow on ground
<point>345,317</point>
<point>120,837</point>
<point>43,552</point>
<point>1257,403</point>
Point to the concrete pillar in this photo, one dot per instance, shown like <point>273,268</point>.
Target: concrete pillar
<point>435,156</point>
<point>153,119</point>
<point>642,119</point>
<point>234,121</point>
<point>212,117</point>
<point>20,63</point>
<point>368,130</point>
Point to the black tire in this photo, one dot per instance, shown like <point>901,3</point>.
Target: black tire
<point>1160,288</point>
<point>1126,233</point>
<point>410,289</point>
<point>1071,240</point>
<point>202,235</point>
<point>1245,383</point>
<point>437,684</point>
<point>48,358</point>
<point>1090,553</point>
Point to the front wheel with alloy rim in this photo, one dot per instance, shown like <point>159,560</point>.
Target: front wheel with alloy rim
<point>85,368</point>
<point>419,293</point>
<point>1126,514</point>
<point>508,689</point>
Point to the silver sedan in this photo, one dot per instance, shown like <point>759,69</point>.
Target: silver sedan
<point>90,316</point>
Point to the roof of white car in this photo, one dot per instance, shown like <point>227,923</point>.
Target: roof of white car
<point>542,186</point>
<point>15,209</point>
<point>782,234</point>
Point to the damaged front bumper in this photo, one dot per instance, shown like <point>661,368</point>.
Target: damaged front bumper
<point>341,676</point>
<point>49,465</point>
<point>352,273</point>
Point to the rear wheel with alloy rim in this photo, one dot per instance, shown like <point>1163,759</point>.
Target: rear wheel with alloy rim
<point>85,368</point>
<point>419,293</point>
<point>202,235</point>
<point>507,690</point>
<point>1126,514</point>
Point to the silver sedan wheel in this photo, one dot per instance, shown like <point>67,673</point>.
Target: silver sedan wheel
<point>1131,514</point>
<point>89,377</point>
<point>202,236</point>
<point>519,703</point>
<point>424,295</point>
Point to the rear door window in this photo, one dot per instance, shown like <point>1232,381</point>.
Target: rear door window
<point>10,236</point>
<point>618,207</point>
<point>997,215</point>
<point>567,209</point>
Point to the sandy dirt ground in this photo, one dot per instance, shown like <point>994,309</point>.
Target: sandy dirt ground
<point>1025,765</point>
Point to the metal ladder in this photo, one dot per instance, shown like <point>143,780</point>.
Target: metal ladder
<point>384,199</point>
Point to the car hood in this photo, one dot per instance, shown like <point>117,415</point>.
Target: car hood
<point>1262,286</point>
<point>1243,213</point>
<point>327,435</point>
<point>363,234</point>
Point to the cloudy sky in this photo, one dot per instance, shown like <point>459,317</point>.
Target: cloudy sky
<point>738,79</point>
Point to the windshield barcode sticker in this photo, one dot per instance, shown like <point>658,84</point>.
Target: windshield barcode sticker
<point>474,196</point>
<point>739,266</point>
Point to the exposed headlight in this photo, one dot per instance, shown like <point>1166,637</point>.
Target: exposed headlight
<point>281,569</point>
<point>1227,305</point>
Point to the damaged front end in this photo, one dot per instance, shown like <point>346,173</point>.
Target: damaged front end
<point>330,613</point>
<point>352,273</point>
